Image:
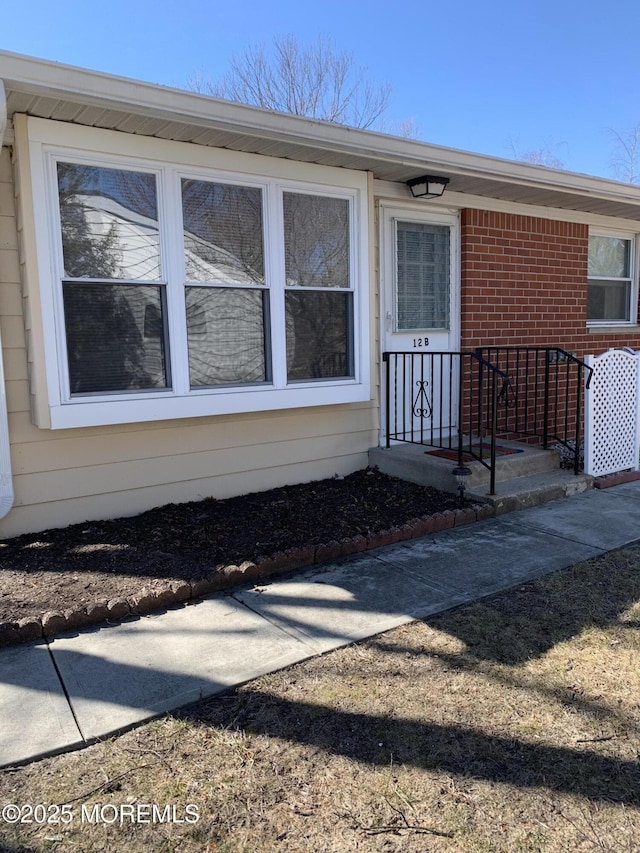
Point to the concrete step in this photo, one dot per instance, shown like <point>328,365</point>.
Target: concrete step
<point>532,490</point>
<point>413,462</point>
<point>524,479</point>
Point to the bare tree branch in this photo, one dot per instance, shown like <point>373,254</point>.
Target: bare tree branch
<point>545,155</point>
<point>314,81</point>
<point>626,161</point>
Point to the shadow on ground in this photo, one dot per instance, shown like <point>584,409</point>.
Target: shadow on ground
<point>510,628</point>
<point>527,621</point>
<point>452,749</point>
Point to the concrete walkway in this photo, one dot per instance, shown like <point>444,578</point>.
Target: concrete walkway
<point>65,693</point>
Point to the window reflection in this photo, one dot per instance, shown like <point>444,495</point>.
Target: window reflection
<point>115,337</point>
<point>223,241</point>
<point>316,233</point>
<point>319,335</point>
<point>225,330</point>
<point>109,222</point>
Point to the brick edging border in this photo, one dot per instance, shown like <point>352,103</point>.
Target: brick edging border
<point>148,600</point>
<point>617,479</point>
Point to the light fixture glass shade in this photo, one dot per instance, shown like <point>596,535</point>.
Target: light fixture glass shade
<point>461,472</point>
<point>428,186</point>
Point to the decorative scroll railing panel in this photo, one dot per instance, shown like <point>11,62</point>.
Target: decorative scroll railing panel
<point>429,399</point>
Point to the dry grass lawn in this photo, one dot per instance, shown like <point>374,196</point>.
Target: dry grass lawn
<point>512,724</point>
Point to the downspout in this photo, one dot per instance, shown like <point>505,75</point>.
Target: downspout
<point>6,480</point>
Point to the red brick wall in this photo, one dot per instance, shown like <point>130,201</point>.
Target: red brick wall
<point>524,282</point>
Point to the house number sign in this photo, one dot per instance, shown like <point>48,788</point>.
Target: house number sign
<point>420,342</point>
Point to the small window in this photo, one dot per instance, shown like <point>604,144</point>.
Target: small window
<point>318,297</point>
<point>422,276</point>
<point>114,317</point>
<point>227,305</point>
<point>611,292</point>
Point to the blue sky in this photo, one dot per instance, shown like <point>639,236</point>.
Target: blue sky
<point>475,76</point>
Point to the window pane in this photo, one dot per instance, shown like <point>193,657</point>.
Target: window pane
<point>222,233</point>
<point>423,276</point>
<point>115,337</point>
<point>319,335</point>
<point>608,300</point>
<point>109,221</point>
<point>609,257</point>
<point>226,334</point>
<point>316,240</point>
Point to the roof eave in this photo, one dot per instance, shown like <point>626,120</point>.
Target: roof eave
<point>43,78</point>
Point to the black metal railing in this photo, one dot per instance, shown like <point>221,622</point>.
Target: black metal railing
<point>543,397</point>
<point>461,401</point>
<point>432,398</point>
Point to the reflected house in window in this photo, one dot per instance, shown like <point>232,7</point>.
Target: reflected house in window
<point>115,290</point>
<point>112,280</point>
<point>227,298</point>
<point>229,294</point>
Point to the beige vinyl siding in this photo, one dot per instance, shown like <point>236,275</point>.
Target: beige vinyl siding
<point>20,229</point>
<point>11,303</point>
<point>71,476</point>
<point>67,476</point>
<point>376,319</point>
<point>75,449</point>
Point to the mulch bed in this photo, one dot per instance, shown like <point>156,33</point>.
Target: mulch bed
<point>99,571</point>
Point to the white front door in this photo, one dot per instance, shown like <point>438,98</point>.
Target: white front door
<point>420,313</point>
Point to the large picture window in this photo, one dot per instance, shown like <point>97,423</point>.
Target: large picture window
<point>183,288</point>
<point>611,291</point>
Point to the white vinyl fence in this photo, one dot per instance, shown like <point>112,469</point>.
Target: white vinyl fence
<point>612,413</point>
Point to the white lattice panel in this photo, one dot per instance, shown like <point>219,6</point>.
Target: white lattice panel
<point>612,413</point>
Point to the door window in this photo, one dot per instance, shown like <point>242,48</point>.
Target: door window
<point>423,276</point>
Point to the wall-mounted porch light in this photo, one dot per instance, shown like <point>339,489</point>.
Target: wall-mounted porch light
<point>428,186</point>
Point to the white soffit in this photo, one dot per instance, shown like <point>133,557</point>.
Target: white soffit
<point>64,93</point>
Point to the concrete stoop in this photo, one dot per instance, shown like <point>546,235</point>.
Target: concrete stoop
<point>528,478</point>
<point>536,489</point>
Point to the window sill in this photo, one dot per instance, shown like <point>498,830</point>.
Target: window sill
<point>91,413</point>
<point>612,330</point>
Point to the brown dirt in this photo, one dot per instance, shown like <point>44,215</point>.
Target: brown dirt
<point>98,561</point>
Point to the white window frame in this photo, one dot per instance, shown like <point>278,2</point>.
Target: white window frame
<point>42,143</point>
<point>632,278</point>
